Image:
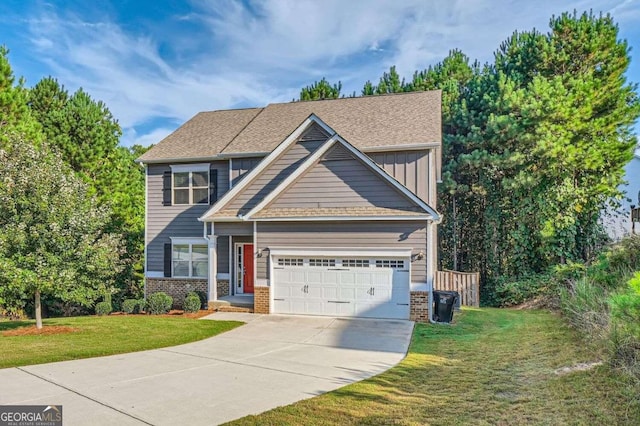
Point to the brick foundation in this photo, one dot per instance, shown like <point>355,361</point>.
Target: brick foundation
<point>261,300</point>
<point>176,288</point>
<point>223,288</point>
<point>419,306</point>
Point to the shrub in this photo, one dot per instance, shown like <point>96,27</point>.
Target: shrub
<point>514,291</point>
<point>584,305</point>
<point>192,302</point>
<point>103,308</point>
<point>159,303</point>
<point>204,299</point>
<point>131,306</point>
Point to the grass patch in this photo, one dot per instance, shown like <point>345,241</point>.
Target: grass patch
<point>494,366</point>
<point>98,336</point>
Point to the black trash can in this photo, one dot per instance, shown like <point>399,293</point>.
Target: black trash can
<point>444,302</point>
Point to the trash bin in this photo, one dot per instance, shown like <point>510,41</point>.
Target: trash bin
<point>444,302</point>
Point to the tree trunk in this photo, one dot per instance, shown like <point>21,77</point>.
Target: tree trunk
<point>38,311</point>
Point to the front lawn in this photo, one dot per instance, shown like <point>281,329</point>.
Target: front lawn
<point>85,337</point>
<point>494,366</point>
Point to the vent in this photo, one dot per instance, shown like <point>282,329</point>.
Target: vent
<point>337,153</point>
<point>314,133</point>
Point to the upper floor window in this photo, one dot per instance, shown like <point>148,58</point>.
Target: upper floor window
<point>190,184</point>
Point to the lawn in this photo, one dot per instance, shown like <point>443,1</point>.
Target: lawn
<point>97,336</point>
<point>494,366</point>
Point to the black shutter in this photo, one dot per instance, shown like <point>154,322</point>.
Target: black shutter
<point>167,260</point>
<point>166,189</point>
<point>213,185</point>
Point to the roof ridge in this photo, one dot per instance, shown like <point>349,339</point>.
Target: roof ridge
<point>344,98</point>
<point>242,130</point>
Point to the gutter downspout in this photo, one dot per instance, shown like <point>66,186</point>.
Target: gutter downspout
<point>432,264</point>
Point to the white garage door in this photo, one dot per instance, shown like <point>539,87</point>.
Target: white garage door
<point>349,287</point>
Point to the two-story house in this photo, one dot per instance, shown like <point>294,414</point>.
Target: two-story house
<point>322,207</point>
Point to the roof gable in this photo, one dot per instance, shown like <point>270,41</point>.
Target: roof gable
<point>275,167</point>
<point>336,181</point>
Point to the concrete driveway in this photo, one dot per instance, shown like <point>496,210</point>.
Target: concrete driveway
<point>271,361</point>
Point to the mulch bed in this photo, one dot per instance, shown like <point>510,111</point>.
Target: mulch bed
<point>32,330</point>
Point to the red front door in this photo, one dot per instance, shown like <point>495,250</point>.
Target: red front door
<point>247,263</point>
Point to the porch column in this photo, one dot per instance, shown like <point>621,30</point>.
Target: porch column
<point>213,267</point>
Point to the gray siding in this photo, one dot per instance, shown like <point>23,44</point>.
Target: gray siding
<point>411,235</point>
<point>410,168</point>
<point>223,254</point>
<point>240,166</point>
<point>341,183</point>
<point>273,175</point>
<point>164,222</point>
<point>233,228</point>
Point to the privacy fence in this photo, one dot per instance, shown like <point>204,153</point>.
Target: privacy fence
<point>467,284</point>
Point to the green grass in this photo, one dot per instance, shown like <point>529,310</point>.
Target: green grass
<point>494,366</point>
<point>99,336</point>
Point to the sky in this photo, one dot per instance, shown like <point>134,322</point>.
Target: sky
<point>157,63</point>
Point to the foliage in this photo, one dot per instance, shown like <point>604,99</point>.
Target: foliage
<point>511,292</point>
<point>86,134</point>
<point>15,116</point>
<point>204,299</point>
<point>100,336</point>
<point>103,308</point>
<point>192,302</point>
<point>389,83</point>
<point>158,303</point>
<point>131,306</point>
<point>321,90</point>
<point>51,236</point>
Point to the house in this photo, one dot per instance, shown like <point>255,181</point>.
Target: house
<point>321,207</point>
<point>617,222</point>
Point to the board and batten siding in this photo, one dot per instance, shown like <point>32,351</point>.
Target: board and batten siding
<point>275,173</point>
<point>240,167</point>
<point>356,234</point>
<point>341,182</point>
<point>410,168</point>
<point>181,220</point>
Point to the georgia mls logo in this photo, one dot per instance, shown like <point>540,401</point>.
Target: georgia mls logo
<point>30,415</point>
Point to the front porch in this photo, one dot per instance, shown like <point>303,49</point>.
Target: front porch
<point>237,303</point>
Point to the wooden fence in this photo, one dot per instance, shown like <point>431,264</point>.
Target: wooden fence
<point>465,283</point>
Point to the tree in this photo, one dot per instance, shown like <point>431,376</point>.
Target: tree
<point>86,134</point>
<point>15,116</point>
<point>321,90</point>
<point>51,231</point>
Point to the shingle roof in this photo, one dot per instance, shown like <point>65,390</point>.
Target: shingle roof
<point>366,122</point>
<point>203,136</point>
<point>339,212</point>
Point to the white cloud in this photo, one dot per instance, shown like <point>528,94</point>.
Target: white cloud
<point>254,53</point>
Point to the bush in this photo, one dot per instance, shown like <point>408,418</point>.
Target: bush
<point>192,303</point>
<point>514,291</point>
<point>103,308</point>
<point>584,305</point>
<point>142,304</point>
<point>159,303</point>
<point>131,306</point>
<point>204,299</point>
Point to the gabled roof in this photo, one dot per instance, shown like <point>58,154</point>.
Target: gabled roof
<point>415,209</point>
<point>366,122</point>
<point>221,207</point>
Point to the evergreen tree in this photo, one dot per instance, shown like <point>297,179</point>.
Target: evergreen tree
<point>321,90</point>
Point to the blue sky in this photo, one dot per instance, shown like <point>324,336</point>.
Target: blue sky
<point>157,63</point>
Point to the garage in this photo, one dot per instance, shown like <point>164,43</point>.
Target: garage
<point>342,285</point>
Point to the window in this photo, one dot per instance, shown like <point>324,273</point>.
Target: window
<point>355,263</point>
<point>322,262</point>
<point>190,184</point>
<point>284,261</point>
<point>390,263</point>
<point>189,260</point>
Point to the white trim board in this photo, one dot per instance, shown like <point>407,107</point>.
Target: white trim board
<point>341,218</point>
<point>183,168</point>
<point>255,172</point>
<point>339,251</point>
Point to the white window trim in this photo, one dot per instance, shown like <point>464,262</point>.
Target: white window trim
<point>190,242</point>
<point>189,168</point>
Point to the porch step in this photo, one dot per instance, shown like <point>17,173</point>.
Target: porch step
<point>229,308</point>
